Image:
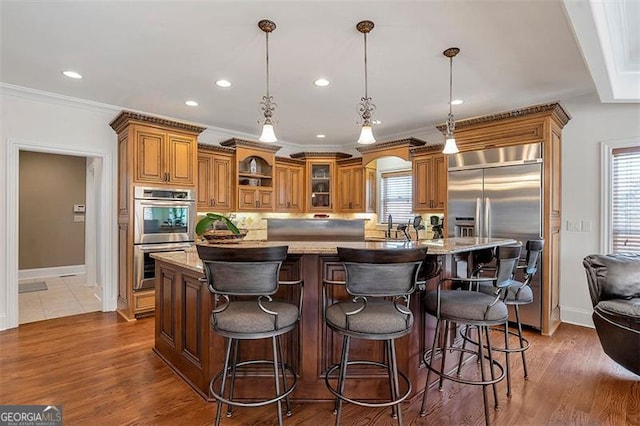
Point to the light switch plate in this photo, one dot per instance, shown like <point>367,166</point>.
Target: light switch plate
<point>573,226</point>
<point>78,218</point>
<point>586,226</point>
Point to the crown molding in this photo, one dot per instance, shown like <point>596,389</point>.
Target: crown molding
<point>125,117</point>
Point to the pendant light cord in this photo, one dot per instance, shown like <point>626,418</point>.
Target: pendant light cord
<point>267,45</point>
<point>366,80</point>
<point>450,84</point>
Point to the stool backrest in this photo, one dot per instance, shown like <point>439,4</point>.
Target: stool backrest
<point>236,271</point>
<point>384,272</point>
<point>534,248</point>
<point>506,264</point>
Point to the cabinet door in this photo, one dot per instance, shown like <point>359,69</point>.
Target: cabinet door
<point>150,153</point>
<point>205,180</point>
<point>281,188</point>
<point>296,184</point>
<point>439,177</point>
<point>265,199</point>
<point>344,187</point>
<point>351,189</point>
<point>247,199</point>
<point>320,186</point>
<point>222,193</point>
<point>370,195</point>
<point>181,159</point>
<point>421,193</point>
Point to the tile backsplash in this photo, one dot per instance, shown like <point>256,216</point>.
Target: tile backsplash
<point>257,225</point>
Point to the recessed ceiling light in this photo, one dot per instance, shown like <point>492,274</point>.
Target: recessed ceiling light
<point>321,136</point>
<point>191,103</point>
<point>223,83</point>
<point>376,121</point>
<point>457,102</point>
<point>72,74</point>
<point>321,82</point>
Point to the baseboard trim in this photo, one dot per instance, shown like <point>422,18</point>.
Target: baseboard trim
<point>56,271</point>
<point>3,322</point>
<point>576,316</point>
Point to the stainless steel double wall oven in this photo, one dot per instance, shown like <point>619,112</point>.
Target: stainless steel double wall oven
<point>164,221</point>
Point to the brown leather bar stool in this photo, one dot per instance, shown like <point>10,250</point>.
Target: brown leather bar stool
<point>473,309</point>
<point>380,283</point>
<point>244,281</point>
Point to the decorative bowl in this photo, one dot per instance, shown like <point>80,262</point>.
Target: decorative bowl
<point>224,236</point>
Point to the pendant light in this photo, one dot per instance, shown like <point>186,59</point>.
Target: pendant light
<point>365,107</point>
<point>450,146</point>
<point>267,106</point>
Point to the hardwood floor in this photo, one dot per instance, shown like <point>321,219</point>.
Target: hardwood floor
<point>103,371</point>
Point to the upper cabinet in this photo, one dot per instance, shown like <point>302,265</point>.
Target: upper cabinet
<point>351,186</point>
<point>216,182</point>
<point>160,151</point>
<point>429,179</point>
<point>321,180</point>
<point>289,185</point>
<point>255,167</point>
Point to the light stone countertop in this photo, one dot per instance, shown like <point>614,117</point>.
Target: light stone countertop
<point>189,259</point>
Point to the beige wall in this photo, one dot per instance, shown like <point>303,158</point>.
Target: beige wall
<point>50,185</point>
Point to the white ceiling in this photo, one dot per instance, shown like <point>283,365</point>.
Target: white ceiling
<point>152,56</point>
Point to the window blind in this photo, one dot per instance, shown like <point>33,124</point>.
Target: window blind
<point>396,197</point>
<point>625,209</point>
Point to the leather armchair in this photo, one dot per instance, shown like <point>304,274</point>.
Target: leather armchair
<point>614,286</point>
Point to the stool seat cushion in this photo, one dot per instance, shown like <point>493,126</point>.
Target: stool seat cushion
<point>378,318</point>
<point>246,317</point>
<point>465,305</point>
<point>513,296</point>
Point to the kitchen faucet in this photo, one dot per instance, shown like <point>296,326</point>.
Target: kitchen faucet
<point>403,228</point>
<point>417,226</point>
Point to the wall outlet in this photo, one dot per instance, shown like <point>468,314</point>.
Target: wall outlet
<point>78,218</point>
<point>573,226</point>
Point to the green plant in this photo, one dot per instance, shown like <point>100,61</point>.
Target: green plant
<point>205,223</point>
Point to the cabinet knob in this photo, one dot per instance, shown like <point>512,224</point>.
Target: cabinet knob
<point>213,202</point>
<point>288,203</point>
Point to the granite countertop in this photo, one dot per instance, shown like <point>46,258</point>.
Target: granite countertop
<point>189,259</point>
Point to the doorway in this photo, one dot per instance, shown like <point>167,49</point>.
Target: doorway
<point>101,235</point>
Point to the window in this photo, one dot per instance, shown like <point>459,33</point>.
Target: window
<point>625,200</point>
<point>396,197</point>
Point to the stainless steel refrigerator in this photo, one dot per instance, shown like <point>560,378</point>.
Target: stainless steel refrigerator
<point>496,193</point>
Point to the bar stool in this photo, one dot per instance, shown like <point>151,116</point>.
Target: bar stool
<point>519,293</point>
<point>244,279</point>
<point>470,308</point>
<point>380,283</point>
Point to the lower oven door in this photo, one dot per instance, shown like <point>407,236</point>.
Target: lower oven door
<point>144,266</point>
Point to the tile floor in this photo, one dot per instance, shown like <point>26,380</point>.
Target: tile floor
<point>65,296</point>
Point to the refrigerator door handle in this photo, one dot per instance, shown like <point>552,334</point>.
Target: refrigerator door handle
<point>487,217</point>
<point>478,231</point>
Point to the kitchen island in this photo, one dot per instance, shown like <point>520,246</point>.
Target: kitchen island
<point>185,341</point>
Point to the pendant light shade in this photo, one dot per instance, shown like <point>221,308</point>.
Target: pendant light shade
<point>267,106</point>
<point>365,107</point>
<point>450,146</point>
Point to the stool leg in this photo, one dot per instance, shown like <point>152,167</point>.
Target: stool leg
<point>394,366</point>
<point>392,390</point>
<point>276,378</point>
<point>234,363</point>
<point>342,376</point>
<point>506,355</point>
<point>491,366</point>
<point>524,358</point>
<point>447,325</point>
<point>483,375</point>
<point>224,379</point>
<point>423,408</point>
<point>284,376</point>
<point>464,346</point>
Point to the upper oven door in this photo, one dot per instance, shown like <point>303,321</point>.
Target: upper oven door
<point>164,221</point>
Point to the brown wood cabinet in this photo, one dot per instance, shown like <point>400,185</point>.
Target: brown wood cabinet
<point>163,157</point>
<point>429,179</point>
<point>351,185</point>
<point>536,124</point>
<point>289,185</point>
<point>321,180</point>
<point>254,164</point>
<point>152,151</point>
<point>216,183</point>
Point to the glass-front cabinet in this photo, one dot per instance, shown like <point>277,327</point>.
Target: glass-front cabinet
<point>321,175</point>
<point>321,181</point>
